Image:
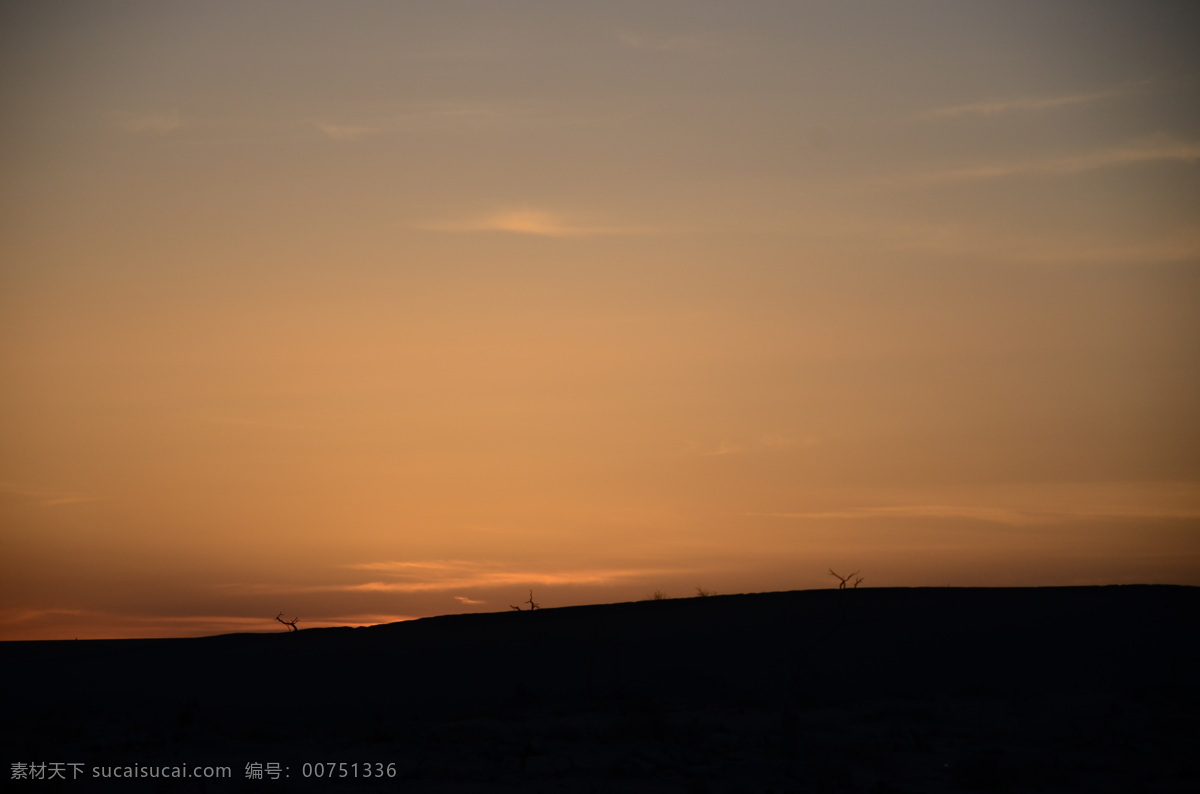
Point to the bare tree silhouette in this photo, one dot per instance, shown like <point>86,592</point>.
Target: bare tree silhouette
<point>532,604</point>
<point>291,624</point>
<point>843,579</point>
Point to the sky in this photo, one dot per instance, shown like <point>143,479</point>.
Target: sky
<point>368,311</point>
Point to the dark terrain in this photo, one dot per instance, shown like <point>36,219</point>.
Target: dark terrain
<point>871,690</point>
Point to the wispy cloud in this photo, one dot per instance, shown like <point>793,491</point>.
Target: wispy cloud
<point>46,496</point>
<point>443,575</point>
<point>719,450</point>
<point>459,111</point>
<point>536,222</point>
<point>997,107</point>
<point>150,123</point>
<point>991,514</point>
<point>1151,150</point>
<point>408,577</point>
<point>223,420</point>
<point>357,619</point>
<point>766,441</point>
<point>56,623</point>
<point>1181,244</point>
<point>776,441</point>
<point>459,115</point>
<point>673,42</point>
<point>470,601</point>
<point>25,615</point>
<point>346,132</point>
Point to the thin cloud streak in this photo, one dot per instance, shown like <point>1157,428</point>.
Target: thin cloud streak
<point>251,422</point>
<point>367,619</point>
<point>764,442</point>
<point>998,107</point>
<point>955,239</point>
<point>1158,149</point>
<point>395,566</point>
<point>443,575</point>
<point>481,579</point>
<point>674,43</point>
<point>463,111</point>
<point>723,449</point>
<point>346,132</point>
<point>57,624</point>
<point>409,117</point>
<point>21,615</point>
<point>994,515</point>
<point>152,123</point>
<point>535,222</point>
<point>47,496</point>
<point>988,514</point>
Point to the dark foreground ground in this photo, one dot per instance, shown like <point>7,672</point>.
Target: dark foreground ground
<point>874,690</point>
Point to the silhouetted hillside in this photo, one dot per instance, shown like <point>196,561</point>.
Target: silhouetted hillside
<point>1053,689</point>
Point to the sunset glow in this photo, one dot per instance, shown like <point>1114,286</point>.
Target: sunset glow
<point>365,312</point>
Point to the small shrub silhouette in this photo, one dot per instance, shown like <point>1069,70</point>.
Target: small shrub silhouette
<point>291,624</point>
<point>532,604</point>
<point>843,579</point>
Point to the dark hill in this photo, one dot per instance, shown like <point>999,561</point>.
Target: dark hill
<point>946,689</point>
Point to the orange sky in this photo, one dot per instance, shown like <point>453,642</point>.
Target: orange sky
<point>365,311</point>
